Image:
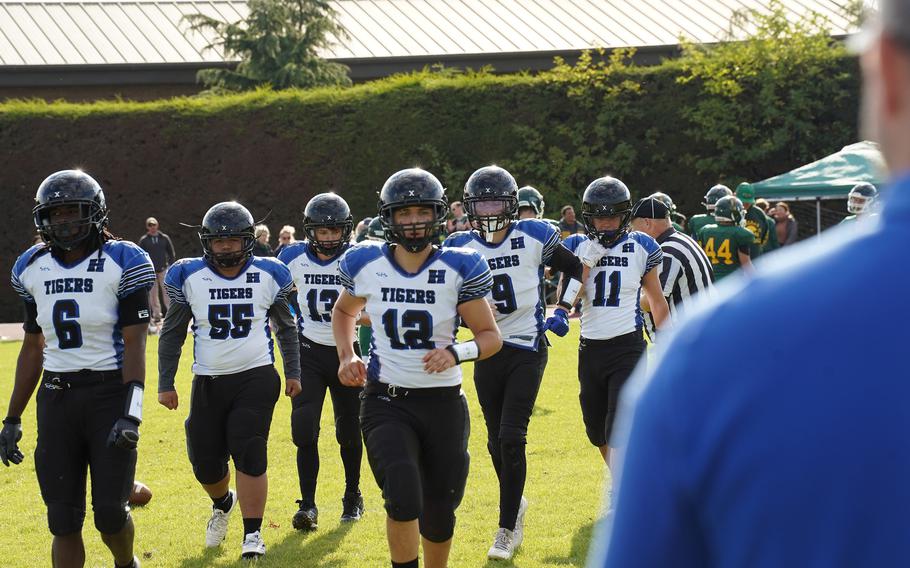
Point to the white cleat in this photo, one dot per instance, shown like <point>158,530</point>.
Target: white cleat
<point>519,532</point>
<point>253,546</point>
<point>217,528</point>
<point>503,547</point>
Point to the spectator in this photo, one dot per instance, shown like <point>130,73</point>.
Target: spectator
<point>763,204</point>
<point>568,225</point>
<point>262,247</point>
<point>459,220</point>
<point>161,250</point>
<point>786,224</point>
<point>285,237</point>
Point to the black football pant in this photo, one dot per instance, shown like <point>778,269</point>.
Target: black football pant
<point>318,372</point>
<point>507,384</point>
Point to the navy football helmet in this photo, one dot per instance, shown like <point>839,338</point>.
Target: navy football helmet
<point>406,188</point>
<point>69,188</point>
<point>227,220</point>
<point>607,197</point>
<point>861,198</point>
<point>330,211</point>
<point>491,199</point>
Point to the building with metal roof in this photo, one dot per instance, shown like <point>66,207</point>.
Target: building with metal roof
<point>144,46</point>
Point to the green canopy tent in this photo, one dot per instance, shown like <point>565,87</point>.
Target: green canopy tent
<point>832,177</point>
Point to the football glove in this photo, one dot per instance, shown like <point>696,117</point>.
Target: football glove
<point>558,323</point>
<point>9,441</point>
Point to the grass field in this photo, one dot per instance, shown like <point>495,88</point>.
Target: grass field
<point>565,480</point>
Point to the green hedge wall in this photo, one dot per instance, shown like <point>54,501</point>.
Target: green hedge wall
<point>662,128</point>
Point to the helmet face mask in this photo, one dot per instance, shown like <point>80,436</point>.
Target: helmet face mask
<point>490,199</point>
<point>412,188</point>
<point>329,211</point>
<point>861,198</point>
<point>607,197</point>
<point>87,212</point>
<point>227,220</point>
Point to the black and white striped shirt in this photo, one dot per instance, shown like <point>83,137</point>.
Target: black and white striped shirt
<point>686,271</point>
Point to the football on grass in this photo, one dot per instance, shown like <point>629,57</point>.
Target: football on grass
<point>141,494</point>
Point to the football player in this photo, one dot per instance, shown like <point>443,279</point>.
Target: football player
<point>230,295</point>
<point>727,243</point>
<point>413,414</point>
<point>677,219</point>
<point>327,223</point>
<point>860,201</point>
<point>508,382</point>
<point>756,221</point>
<point>696,222</point>
<point>530,203</point>
<point>620,265</point>
<point>86,298</point>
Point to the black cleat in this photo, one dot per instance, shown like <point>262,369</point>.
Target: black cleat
<point>352,507</point>
<point>307,518</point>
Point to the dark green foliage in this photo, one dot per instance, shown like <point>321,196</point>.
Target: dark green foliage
<point>277,46</point>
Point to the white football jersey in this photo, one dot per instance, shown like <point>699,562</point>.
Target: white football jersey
<point>413,313</point>
<point>517,264</point>
<point>78,305</point>
<point>611,305</point>
<point>231,330</point>
<point>318,288</point>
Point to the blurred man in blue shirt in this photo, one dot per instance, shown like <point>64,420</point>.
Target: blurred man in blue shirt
<point>725,464</point>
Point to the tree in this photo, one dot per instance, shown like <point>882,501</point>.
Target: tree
<point>277,44</point>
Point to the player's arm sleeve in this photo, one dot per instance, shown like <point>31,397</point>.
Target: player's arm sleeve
<point>655,254</point>
<point>138,273</point>
<point>133,308</point>
<point>286,332</point>
<point>477,279</point>
<point>746,243</point>
<point>30,325</point>
<point>346,275</point>
<point>170,343</point>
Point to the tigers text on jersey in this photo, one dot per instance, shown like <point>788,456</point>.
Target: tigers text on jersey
<point>230,321</point>
<point>318,287</point>
<point>517,264</point>
<point>78,305</point>
<point>611,306</point>
<point>413,313</point>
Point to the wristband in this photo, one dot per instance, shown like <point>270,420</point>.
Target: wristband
<point>133,409</point>
<point>14,420</point>
<point>467,351</point>
<point>570,293</point>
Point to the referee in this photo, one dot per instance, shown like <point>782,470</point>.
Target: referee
<point>686,270</point>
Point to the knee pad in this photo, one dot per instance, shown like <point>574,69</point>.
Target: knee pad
<point>402,492</point>
<point>64,519</point>
<point>437,523</point>
<point>253,459</point>
<point>347,431</point>
<point>110,519</point>
<point>304,426</point>
<point>513,449</point>
<point>209,470</point>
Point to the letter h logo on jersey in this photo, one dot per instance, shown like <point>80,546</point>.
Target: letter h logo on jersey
<point>437,277</point>
<point>252,278</point>
<point>517,243</point>
<point>628,247</point>
<point>96,265</point>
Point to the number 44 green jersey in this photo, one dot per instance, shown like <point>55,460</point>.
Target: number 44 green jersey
<point>722,243</point>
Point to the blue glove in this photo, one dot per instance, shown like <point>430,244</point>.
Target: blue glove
<point>558,323</point>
